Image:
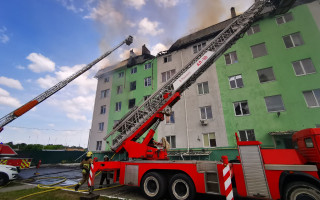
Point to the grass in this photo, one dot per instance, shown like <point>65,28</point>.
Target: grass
<point>53,195</point>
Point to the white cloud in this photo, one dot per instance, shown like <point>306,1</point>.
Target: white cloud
<point>40,63</point>
<point>6,99</point>
<point>147,27</point>
<point>20,67</point>
<point>157,48</point>
<point>137,4</point>
<point>105,13</point>
<point>167,3</point>
<point>130,23</point>
<point>69,5</point>
<point>9,82</point>
<point>4,38</point>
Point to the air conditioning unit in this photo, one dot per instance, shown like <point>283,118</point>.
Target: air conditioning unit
<point>203,122</point>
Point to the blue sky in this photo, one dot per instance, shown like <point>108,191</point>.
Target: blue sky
<point>44,41</point>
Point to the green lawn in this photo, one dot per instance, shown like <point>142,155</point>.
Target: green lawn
<point>52,195</point>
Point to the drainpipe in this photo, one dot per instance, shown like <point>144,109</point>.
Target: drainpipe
<point>185,108</point>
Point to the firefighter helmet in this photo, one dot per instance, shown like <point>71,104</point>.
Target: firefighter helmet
<point>89,154</point>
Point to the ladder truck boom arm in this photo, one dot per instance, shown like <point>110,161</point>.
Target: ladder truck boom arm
<point>129,127</point>
<point>46,94</point>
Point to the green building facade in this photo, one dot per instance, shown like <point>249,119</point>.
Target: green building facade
<point>270,88</point>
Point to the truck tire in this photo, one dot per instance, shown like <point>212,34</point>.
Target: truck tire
<point>4,179</point>
<point>181,187</point>
<point>153,185</point>
<point>301,191</point>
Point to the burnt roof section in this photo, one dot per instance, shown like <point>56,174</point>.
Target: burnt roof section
<point>212,31</point>
<point>125,63</point>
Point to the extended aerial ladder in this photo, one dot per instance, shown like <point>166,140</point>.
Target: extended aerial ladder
<point>46,94</point>
<point>149,114</point>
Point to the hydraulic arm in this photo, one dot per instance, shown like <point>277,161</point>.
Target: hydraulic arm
<point>28,106</point>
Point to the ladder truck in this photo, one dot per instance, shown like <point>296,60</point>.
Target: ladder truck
<point>46,94</point>
<point>290,174</point>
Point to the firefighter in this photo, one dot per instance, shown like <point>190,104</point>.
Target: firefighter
<point>85,166</point>
<point>104,174</point>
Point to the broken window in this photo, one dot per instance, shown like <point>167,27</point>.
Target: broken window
<point>266,75</point>
<point>259,50</point>
<point>312,98</point>
<point>253,29</point>
<point>303,67</point>
<point>241,108</point>
<point>132,103</point>
<point>236,81</point>
<point>247,135</point>
<point>203,88</point>
<point>106,79</point>
<point>284,18</point>
<point>293,40</point>
<point>209,140</point>
<point>167,59</point>
<point>133,85</point>
<point>205,112</point>
<point>172,141</point>
<point>274,103</point>
<point>231,58</point>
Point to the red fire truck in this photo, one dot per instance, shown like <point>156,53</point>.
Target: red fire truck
<point>6,153</point>
<point>289,174</point>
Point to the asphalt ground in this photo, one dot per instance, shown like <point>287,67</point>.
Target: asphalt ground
<point>73,175</point>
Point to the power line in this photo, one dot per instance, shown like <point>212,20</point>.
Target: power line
<point>43,129</point>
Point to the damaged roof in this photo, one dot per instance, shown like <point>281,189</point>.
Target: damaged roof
<point>125,63</point>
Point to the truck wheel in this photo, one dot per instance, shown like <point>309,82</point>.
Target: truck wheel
<point>301,191</point>
<point>153,185</point>
<point>4,179</point>
<point>181,187</point>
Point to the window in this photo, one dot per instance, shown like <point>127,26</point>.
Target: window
<point>317,125</point>
<point>274,103</point>
<point>284,18</point>
<point>167,75</point>
<point>266,75</point>
<point>172,141</point>
<point>132,103</point>
<point>247,135</point>
<point>170,119</point>
<point>231,58</point>
<point>146,97</point>
<point>115,122</point>
<point>147,81</point>
<point>147,66</point>
<point>121,74</point>
<point>99,145</point>
<point>235,81</point>
<point>103,109</point>
<point>259,50</point>
<point>106,79</point>
<point>119,89</point>
<point>118,106</point>
<point>253,29</point>
<point>241,108</point>
<point>133,85</point>
<point>312,98</point>
<point>167,59</point>
<point>309,143</point>
<point>293,40</point>
<point>303,67</point>
<point>133,70</point>
<point>205,112</point>
<point>104,93</point>
<point>197,48</point>
<point>101,125</point>
<point>209,140</point>
<point>203,88</point>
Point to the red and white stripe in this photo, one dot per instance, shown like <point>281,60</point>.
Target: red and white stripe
<point>227,182</point>
<point>91,176</point>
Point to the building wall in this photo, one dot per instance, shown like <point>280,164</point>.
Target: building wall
<point>187,127</point>
<point>96,135</point>
<point>137,94</point>
<point>296,115</point>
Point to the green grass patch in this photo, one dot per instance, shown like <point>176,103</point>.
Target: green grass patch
<point>50,195</point>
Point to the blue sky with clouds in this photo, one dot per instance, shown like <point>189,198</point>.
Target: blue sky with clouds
<point>44,42</point>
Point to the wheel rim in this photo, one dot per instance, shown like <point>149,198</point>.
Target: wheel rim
<point>151,186</point>
<point>180,189</point>
<point>303,195</point>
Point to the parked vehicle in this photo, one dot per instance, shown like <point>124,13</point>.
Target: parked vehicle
<point>7,173</point>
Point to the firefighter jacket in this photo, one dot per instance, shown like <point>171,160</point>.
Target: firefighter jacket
<point>85,164</point>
